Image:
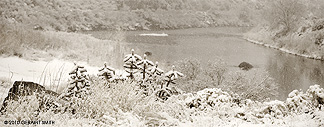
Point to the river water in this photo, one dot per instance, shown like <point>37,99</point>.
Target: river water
<point>289,71</point>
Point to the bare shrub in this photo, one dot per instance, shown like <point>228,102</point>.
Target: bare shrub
<point>216,70</point>
<point>190,67</point>
<point>255,85</point>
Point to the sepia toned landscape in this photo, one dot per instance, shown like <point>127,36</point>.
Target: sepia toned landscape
<point>162,63</point>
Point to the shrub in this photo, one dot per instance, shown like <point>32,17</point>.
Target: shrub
<point>130,63</point>
<point>301,102</point>
<point>190,67</point>
<point>216,71</point>
<point>255,85</point>
<point>25,108</point>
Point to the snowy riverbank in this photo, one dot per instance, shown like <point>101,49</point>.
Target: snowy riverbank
<point>284,49</point>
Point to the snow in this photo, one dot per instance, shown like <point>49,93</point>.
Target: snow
<point>295,111</point>
<point>53,71</point>
<point>208,107</point>
<point>155,34</point>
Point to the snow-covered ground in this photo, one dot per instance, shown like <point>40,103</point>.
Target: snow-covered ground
<point>42,72</point>
<point>209,107</point>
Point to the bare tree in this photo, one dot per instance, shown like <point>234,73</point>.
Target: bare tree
<point>285,14</point>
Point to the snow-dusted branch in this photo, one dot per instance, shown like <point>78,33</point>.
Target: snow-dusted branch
<point>107,71</point>
<point>143,65</point>
<point>155,70</point>
<point>130,63</point>
<point>78,78</point>
<point>171,76</point>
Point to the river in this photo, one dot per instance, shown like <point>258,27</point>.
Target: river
<point>289,71</point>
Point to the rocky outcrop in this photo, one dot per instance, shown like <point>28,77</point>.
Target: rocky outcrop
<point>47,99</point>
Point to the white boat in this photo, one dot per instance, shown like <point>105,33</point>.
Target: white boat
<point>155,34</point>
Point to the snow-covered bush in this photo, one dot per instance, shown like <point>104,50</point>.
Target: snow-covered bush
<point>78,82</point>
<point>171,112</point>
<point>226,105</point>
<point>107,100</point>
<point>298,101</point>
<point>277,109</point>
<point>301,102</point>
<point>156,77</point>
<point>317,95</point>
<point>155,71</point>
<point>171,76</point>
<point>107,72</point>
<point>210,97</point>
<point>122,104</point>
<point>130,63</point>
<point>143,65</point>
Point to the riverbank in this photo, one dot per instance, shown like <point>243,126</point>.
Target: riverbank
<point>306,41</point>
<point>284,50</point>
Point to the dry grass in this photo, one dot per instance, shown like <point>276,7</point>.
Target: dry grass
<point>122,104</point>
<point>16,40</point>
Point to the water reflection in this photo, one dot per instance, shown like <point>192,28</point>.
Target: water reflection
<point>290,72</point>
<point>293,72</point>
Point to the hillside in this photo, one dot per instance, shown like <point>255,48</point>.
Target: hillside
<point>75,15</point>
<point>293,26</point>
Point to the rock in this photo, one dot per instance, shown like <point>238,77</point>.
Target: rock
<point>245,66</point>
<point>47,98</point>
